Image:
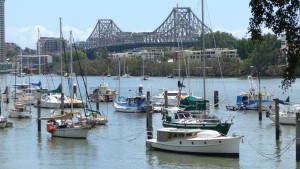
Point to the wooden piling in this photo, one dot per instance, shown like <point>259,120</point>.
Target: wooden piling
<point>7,94</point>
<point>39,113</point>
<point>216,99</point>
<point>149,118</point>
<point>259,107</point>
<point>62,104</point>
<point>297,136</point>
<point>166,99</point>
<point>277,125</point>
<point>97,101</point>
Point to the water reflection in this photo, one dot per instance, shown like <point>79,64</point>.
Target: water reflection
<point>160,159</point>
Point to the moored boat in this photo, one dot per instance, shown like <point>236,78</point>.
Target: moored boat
<point>3,121</point>
<point>195,141</point>
<point>132,104</point>
<point>62,126</point>
<point>194,120</point>
<point>104,93</point>
<point>249,100</point>
<point>286,116</point>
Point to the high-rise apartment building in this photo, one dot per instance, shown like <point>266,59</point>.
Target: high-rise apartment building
<point>50,44</point>
<point>2,32</point>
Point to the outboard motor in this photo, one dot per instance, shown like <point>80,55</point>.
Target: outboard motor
<point>74,90</point>
<point>140,90</point>
<point>267,114</point>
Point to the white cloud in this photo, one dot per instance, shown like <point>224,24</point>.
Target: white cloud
<point>28,36</point>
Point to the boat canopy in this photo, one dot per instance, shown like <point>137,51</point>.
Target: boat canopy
<point>193,103</point>
<point>66,116</point>
<point>57,90</point>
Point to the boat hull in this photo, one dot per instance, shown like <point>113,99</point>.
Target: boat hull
<point>125,108</point>
<point>19,114</point>
<point>220,127</point>
<point>71,132</point>
<point>3,124</point>
<point>254,105</point>
<point>288,120</point>
<point>218,146</point>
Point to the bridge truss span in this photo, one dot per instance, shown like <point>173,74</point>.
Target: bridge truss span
<point>182,25</point>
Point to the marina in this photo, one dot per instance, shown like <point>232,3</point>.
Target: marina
<point>121,143</point>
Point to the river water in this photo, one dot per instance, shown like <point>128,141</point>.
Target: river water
<point>121,143</point>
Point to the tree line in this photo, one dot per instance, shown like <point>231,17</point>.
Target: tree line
<point>258,57</point>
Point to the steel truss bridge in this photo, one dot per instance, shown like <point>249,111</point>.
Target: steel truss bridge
<point>181,26</point>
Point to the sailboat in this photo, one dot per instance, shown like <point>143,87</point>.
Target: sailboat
<point>126,75</point>
<point>19,109</point>
<point>63,125</point>
<point>195,113</point>
<point>3,119</point>
<point>144,77</point>
<point>108,72</point>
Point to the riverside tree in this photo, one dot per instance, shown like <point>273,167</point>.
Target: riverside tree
<point>282,17</point>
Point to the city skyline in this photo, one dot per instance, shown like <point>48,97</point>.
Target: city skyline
<point>130,16</point>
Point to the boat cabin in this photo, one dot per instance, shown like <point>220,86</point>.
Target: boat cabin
<point>168,134</point>
<point>138,100</point>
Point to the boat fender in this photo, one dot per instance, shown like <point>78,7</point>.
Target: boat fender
<point>106,98</point>
<point>94,125</point>
<point>50,128</point>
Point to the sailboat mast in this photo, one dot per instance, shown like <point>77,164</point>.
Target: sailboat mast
<point>124,66</point>
<point>203,52</point>
<point>119,79</point>
<point>178,55</point>
<point>71,72</point>
<point>61,70</point>
<point>61,60</point>
<point>15,88</point>
<point>143,68</point>
<point>39,51</point>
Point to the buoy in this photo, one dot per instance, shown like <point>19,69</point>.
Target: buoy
<point>50,127</point>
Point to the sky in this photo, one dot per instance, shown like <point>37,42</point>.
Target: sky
<point>23,18</point>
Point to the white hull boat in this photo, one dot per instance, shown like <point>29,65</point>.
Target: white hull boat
<point>19,111</point>
<point>53,101</point>
<point>93,118</point>
<point>71,132</point>
<point>15,113</point>
<point>288,116</point>
<point>284,118</point>
<point>173,97</point>
<point>105,94</point>
<point>3,122</point>
<point>62,126</point>
<point>195,141</point>
<point>125,108</point>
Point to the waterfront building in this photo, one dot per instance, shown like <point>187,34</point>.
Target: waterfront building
<point>147,54</point>
<point>50,44</point>
<point>209,53</point>
<point>31,62</point>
